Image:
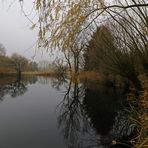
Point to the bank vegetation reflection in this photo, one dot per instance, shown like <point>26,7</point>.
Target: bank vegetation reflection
<point>15,86</point>
<point>92,115</point>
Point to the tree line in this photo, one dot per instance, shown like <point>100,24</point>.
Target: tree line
<point>15,63</point>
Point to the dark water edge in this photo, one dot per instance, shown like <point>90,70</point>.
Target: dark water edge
<point>38,112</point>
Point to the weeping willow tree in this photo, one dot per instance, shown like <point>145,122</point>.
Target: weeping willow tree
<point>69,24</point>
<point>61,22</point>
<point>62,25</point>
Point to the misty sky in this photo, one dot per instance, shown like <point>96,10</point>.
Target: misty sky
<point>15,32</point>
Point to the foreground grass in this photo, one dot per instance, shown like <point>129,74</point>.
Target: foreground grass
<point>139,116</point>
<point>142,137</point>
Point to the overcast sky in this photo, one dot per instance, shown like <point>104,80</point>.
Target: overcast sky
<point>15,32</point>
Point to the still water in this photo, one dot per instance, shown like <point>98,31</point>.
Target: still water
<point>38,112</point>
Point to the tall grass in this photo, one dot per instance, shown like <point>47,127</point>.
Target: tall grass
<point>139,116</point>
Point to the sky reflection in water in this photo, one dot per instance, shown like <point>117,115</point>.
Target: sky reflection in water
<point>38,112</point>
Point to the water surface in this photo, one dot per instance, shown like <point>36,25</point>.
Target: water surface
<point>37,112</point>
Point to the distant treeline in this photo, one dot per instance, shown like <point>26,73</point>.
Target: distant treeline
<point>15,63</point>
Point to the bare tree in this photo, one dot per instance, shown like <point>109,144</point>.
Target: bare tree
<point>18,62</point>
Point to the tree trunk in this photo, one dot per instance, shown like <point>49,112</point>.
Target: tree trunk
<point>19,75</point>
<point>76,64</point>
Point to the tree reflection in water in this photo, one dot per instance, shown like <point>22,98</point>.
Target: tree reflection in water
<point>14,86</point>
<point>92,116</point>
<point>107,116</point>
<point>58,82</point>
<point>72,119</point>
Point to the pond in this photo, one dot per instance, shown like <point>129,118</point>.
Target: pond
<point>38,112</point>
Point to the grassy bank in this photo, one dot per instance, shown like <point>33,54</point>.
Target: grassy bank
<point>37,73</point>
<point>42,73</point>
<point>139,115</point>
<point>89,75</point>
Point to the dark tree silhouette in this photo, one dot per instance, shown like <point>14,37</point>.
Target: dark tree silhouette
<point>19,63</point>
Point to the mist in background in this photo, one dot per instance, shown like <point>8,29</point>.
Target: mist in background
<point>15,32</point>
